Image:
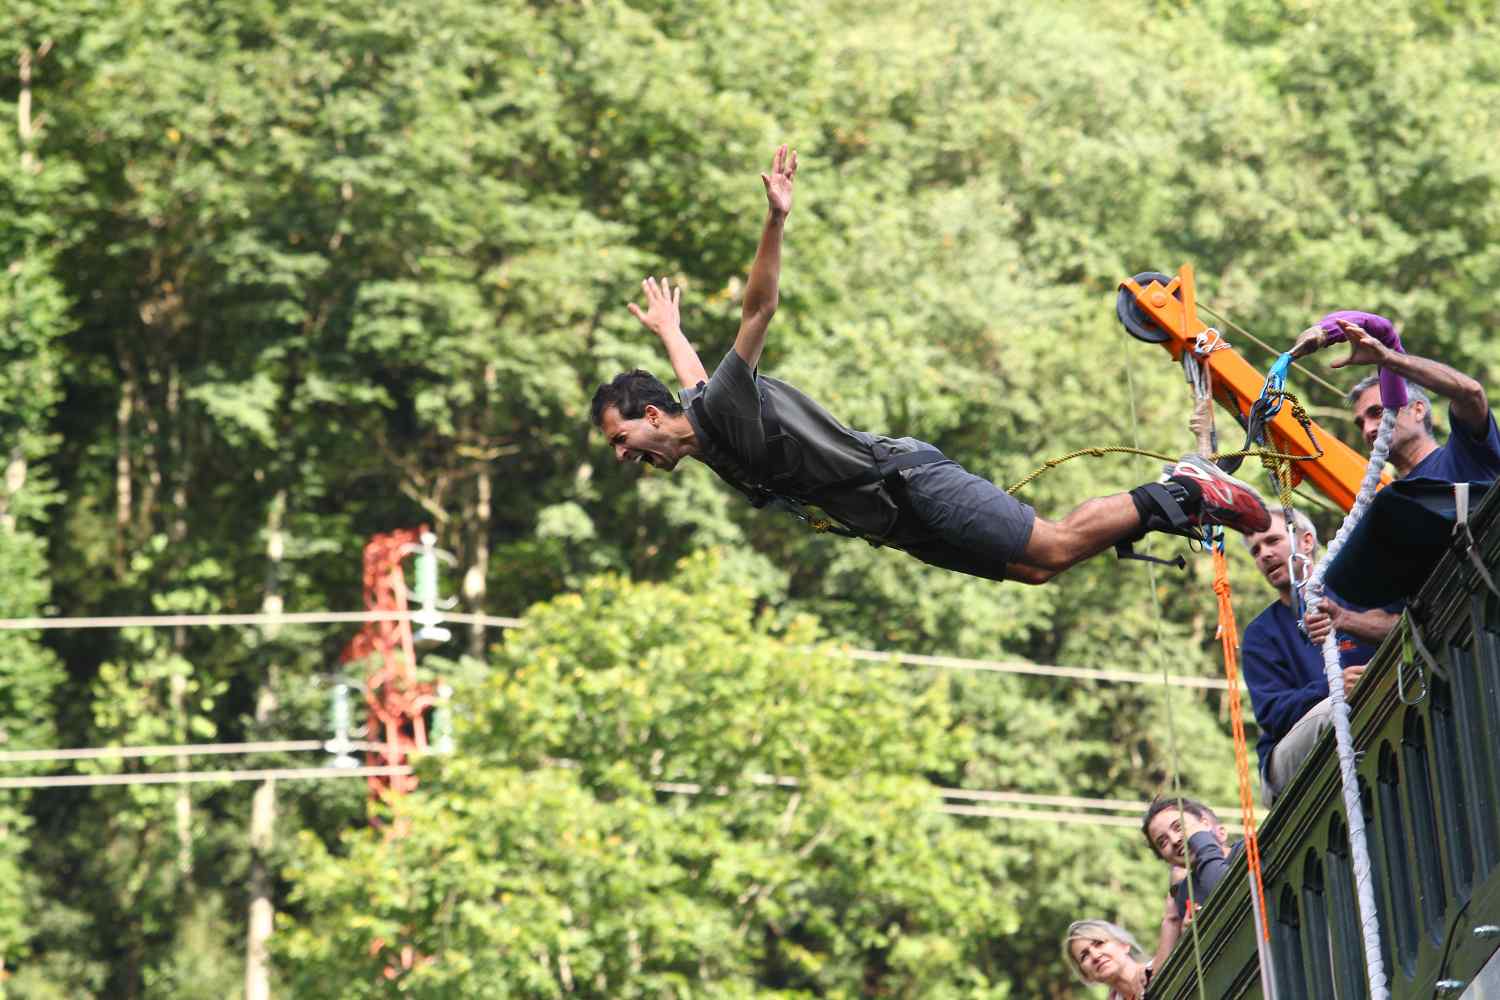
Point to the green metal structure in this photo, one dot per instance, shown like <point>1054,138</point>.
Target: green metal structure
<point>1428,739</point>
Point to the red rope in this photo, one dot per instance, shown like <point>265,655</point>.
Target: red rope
<point>1229,637</point>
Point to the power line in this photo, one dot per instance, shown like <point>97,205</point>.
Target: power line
<point>185,750</point>
<point>1035,669</point>
<point>492,621</point>
<point>315,773</point>
<point>257,618</point>
<point>1115,805</point>
<point>669,787</point>
<point>194,777</point>
<point>1038,815</point>
<point>1314,376</point>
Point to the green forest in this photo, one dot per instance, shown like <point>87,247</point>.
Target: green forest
<point>276,277</point>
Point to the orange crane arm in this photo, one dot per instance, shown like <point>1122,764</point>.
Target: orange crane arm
<point>1164,310</point>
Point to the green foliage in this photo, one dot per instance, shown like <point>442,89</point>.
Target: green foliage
<point>276,277</point>
<point>548,857</point>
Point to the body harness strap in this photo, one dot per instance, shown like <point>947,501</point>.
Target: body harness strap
<point>1162,503</point>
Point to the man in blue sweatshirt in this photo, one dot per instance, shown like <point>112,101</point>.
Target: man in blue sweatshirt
<point>1283,668</point>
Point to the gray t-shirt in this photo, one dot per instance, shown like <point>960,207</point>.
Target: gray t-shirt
<point>820,451</point>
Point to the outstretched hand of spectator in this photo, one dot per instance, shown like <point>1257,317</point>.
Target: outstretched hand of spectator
<point>1363,348</point>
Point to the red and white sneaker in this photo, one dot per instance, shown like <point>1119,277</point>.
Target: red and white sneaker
<point>1226,500</point>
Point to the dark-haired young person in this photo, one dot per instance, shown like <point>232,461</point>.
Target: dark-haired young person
<point>777,445</point>
<point>1186,834</point>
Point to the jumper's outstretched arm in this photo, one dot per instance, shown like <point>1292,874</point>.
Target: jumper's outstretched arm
<point>662,316</point>
<point>762,289</point>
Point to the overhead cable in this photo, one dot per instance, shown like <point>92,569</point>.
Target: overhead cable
<point>192,777</point>
<point>1019,667</point>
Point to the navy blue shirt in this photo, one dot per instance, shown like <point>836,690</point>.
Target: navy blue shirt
<point>1471,455</point>
<point>1210,865</point>
<point>1284,672</point>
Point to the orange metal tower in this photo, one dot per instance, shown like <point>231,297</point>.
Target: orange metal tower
<point>397,701</point>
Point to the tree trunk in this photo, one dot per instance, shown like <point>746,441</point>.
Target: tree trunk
<point>183,807</point>
<point>476,577</point>
<point>123,469</point>
<point>15,471</point>
<point>15,481</point>
<point>262,914</point>
<point>177,535</point>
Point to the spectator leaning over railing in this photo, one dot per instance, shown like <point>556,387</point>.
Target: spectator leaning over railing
<point>1388,556</point>
<point>1187,835</point>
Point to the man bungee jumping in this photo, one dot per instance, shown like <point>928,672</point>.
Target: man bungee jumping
<point>782,449</point>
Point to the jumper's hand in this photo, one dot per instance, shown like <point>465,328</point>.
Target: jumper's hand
<point>779,182</point>
<point>1170,917</point>
<point>1363,348</point>
<point>661,315</point>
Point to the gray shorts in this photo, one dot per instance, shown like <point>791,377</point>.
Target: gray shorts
<point>963,522</point>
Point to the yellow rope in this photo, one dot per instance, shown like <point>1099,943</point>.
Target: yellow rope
<point>1266,455</point>
<point>1276,461</point>
<point>1280,468</point>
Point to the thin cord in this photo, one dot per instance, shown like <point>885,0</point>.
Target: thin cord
<point>330,746</point>
<point>259,618</point>
<point>1033,669</point>
<point>673,788</point>
<point>1271,350</point>
<point>1135,430</point>
<point>184,749</point>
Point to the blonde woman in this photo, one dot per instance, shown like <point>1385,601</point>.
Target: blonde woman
<point>1101,952</point>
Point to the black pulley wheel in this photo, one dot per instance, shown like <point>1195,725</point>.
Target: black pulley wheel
<point>1137,320</point>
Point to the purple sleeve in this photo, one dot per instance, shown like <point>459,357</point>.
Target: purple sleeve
<point>1392,386</point>
<point>1209,864</point>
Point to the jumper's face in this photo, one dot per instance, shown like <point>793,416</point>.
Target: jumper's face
<point>642,439</point>
<point>1101,959</point>
<point>1410,419</point>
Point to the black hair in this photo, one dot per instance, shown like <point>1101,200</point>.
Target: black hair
<point>1162,803</point>
<point>630,392</point>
